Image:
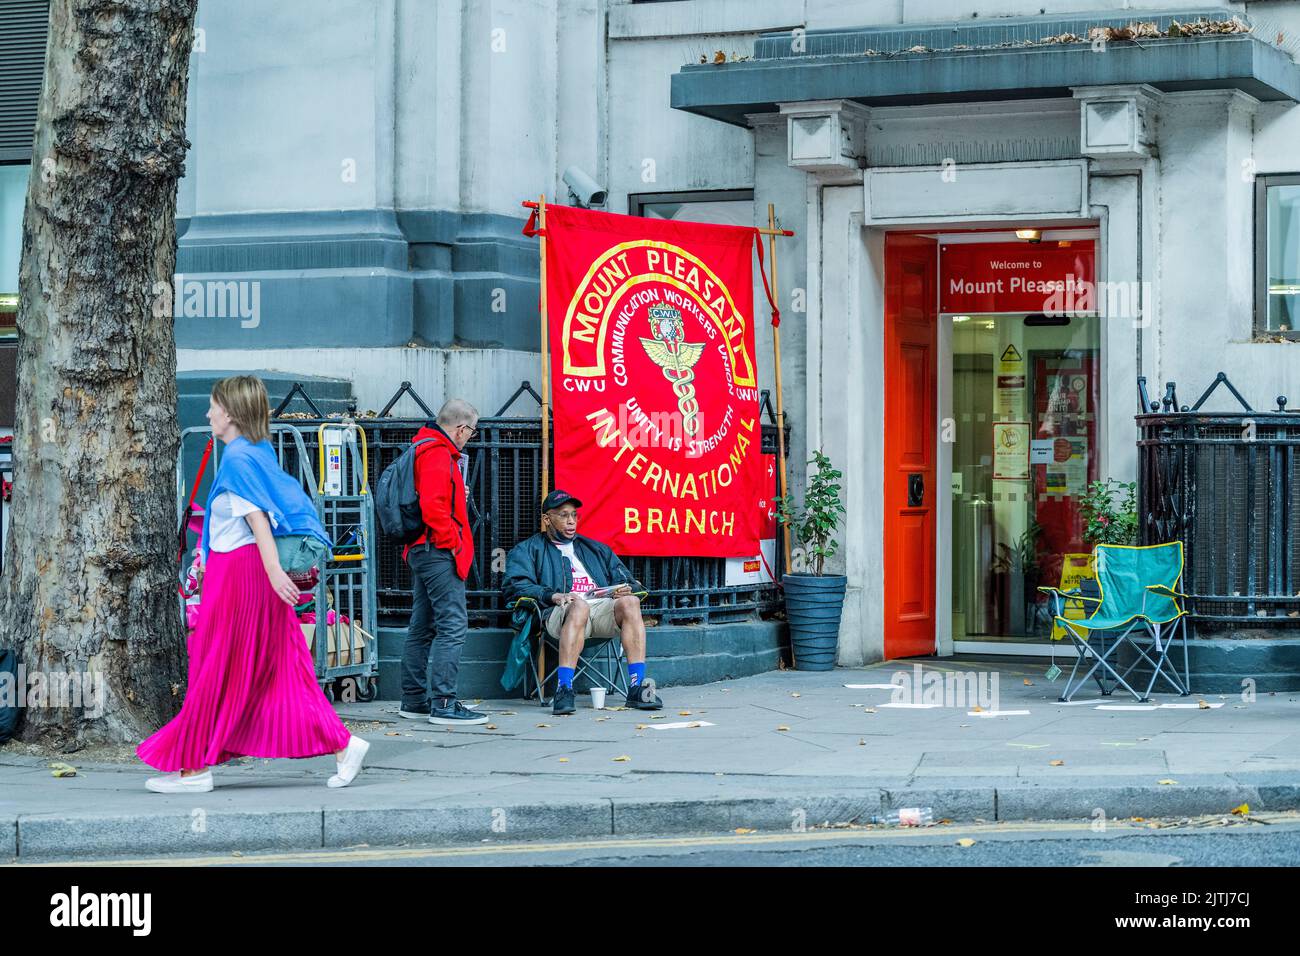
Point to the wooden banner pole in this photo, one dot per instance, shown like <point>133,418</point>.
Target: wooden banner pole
<point>772,232</point>
<point>546,418</point>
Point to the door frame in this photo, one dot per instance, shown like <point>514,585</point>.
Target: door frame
<point>944,642</point>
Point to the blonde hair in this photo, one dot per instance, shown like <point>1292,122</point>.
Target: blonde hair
<point>244,399</point>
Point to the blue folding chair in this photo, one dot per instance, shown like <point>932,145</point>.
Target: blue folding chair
<point>1139,608</point>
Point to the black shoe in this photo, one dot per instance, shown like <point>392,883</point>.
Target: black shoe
<point>414,711</point>
<point>563,702</point>
<point>448,710</point>
<point>642,696</point>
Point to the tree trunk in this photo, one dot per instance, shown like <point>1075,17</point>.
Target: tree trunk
<point>88,594</point>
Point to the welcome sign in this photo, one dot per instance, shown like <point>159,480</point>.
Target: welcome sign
<point>1017,277</point>
<point>654,388</point>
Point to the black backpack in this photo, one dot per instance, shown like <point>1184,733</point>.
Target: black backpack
<point>397,503</point>
<point>9,714</point>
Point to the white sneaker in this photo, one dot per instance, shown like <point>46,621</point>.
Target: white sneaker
<point>350,765</point>
<point>175,783</point>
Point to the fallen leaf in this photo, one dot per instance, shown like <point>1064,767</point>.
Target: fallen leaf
<point>1028,682</point>
<point>176,689</point>
<point>683,713</point>
<point>795,694</point>
<point>642,726</point>
<point>623,759</point>
<point>659,717</point>
<point>599,719</point>
<point>543,725</point>
<point>868,710</point>
<point>392,733</point>
<point>976,709</point>
<point>1167,783</point>
<point>861,742</point>
<point>490,727</point>
<point>1203,705</point>
<point>564,760</point>
<point>783,727</point>
<point>694,723</point>
<point>62,770</point>
<point>1137,819</point>
<point>1242,810</point>
<point>965,841</point>
<point>743,830</point>
<point>1057,763</point>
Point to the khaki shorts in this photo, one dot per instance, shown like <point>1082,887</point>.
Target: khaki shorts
<point>600,621</point>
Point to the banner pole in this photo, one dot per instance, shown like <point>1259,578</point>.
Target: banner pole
<point>772,232</point>
<point>546,363</point>
<point>546,417</point>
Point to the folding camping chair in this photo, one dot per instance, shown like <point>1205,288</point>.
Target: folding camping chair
<point>601,660</point>
<point>1139,608</point>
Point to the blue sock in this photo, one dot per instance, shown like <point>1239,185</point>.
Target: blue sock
<point>565,676</point>
<point>635,672</point>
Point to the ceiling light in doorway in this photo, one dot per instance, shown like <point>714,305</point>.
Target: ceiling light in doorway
<point>1038,318</point>
<point>1030,235</point>
<point>961,318</point>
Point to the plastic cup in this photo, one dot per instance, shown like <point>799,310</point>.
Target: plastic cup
<point>598,698</point>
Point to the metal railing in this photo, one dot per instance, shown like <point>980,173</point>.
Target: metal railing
<point>504,485</point>
<point>1228,486</point>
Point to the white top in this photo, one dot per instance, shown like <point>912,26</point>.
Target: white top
<point>227,527</point>
<point>582,582</point>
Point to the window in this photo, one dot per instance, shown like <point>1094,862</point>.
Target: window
<point>728,207</point>
<point>1277,255</point>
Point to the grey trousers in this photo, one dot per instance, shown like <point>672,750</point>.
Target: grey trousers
<point>438,610</point>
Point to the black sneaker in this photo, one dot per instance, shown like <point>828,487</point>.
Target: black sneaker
<point>453,711</point>
<point>414,711</point>
<point>642,696</point>
<point>563,702</point>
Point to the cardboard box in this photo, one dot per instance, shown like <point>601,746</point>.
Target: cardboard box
<point>359,638</point>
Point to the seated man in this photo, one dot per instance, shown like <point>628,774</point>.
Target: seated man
<point>582,589</point>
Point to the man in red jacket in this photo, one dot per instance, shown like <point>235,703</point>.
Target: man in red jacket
<point>440,560</point>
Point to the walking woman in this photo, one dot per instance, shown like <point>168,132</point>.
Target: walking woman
<point>252,684</point>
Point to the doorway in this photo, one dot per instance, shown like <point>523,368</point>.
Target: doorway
<point>992,418</point>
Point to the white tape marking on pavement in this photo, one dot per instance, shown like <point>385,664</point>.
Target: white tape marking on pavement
<point>910,706</point>
<point>1128,707</point>
<point>1208,706</point>
<point>997,713</point>
<point>681,725</point>
<point>872,686</point>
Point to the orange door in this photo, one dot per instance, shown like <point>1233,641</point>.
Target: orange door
<point>911,328</point>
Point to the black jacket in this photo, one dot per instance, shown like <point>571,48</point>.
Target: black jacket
<point>535,568</point>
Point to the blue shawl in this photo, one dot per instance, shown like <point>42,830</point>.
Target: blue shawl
<point>251,471</point>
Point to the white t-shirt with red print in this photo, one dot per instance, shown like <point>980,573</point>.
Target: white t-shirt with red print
<point>582,582</point>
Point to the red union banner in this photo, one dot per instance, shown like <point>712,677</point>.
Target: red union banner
<point>1016,277</point>
<point>653,381</point>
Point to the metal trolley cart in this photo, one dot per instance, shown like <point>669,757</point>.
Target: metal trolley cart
<point>344,643</point>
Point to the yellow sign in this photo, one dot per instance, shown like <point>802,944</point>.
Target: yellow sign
<point>1075,569</point>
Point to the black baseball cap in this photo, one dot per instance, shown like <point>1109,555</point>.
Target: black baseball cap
<point>558,499</point>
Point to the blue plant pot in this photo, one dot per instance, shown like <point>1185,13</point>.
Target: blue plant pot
<point>813,607</point>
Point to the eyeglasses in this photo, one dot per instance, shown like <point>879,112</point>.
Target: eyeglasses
<point>473,432</point>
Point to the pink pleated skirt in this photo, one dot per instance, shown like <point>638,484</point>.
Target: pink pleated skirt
<point>252,683</point>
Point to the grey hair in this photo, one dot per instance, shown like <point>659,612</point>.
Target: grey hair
<point>457,411</point>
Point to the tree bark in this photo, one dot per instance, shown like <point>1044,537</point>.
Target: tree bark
<point>89,584</point>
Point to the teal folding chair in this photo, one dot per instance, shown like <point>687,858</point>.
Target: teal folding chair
<point>601,661</point>
<point>1140,608</point>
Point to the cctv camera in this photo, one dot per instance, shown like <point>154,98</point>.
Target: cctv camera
<point>584,190</point>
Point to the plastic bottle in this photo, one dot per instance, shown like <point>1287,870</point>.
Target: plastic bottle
<point>907,817</point>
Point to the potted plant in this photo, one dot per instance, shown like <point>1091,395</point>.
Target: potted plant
<point>1016,573</point>
<point>1109,518</point>
<point>814,600</point>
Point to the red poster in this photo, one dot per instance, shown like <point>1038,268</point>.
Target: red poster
<point>1017,277</point>
<point>653,381</point>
